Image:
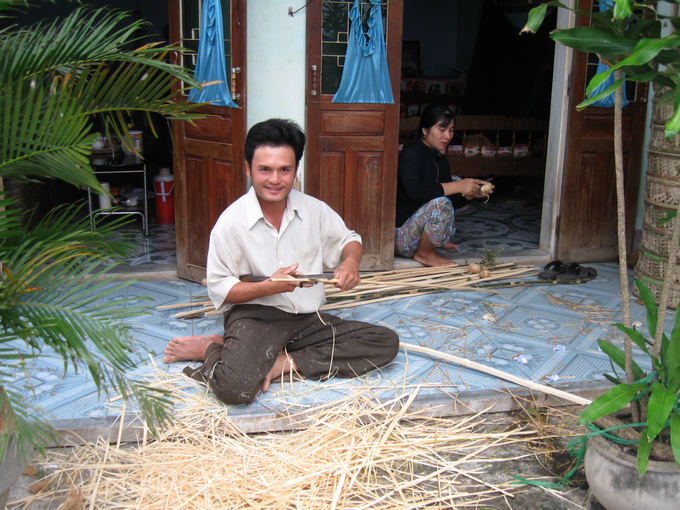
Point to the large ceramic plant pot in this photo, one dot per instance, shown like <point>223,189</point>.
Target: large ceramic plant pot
<point>615,482</point>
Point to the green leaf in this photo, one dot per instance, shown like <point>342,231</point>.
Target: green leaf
<point>651,306</point>
<point>635,336</point>
<point>673,125</point>
<point>622,9</point>
<point>672,355</point>
<point>675,437</point>
<point>615,399</point>
<point>605,93</point>
<point>594,40</point>
<point>537,16</point>
<point>643,452</point>
<point>659,408</point>
<point>618,356</point>
<point>612,379</point>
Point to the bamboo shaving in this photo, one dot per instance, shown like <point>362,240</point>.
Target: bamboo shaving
<point>357,453</point>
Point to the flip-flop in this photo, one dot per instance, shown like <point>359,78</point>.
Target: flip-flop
<point>551,270</point>
<point>575,272</point>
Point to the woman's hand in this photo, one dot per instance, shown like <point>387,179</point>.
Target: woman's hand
<point>469,188</point>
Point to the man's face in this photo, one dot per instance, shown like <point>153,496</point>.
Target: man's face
<point>272,172</point>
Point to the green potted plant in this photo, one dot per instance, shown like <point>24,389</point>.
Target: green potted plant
<point>55,79</point>
<point>629,37</point>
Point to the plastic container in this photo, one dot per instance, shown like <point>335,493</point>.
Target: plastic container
<point>164,184</point>
<point>136,136</point>
<point>105,200</point>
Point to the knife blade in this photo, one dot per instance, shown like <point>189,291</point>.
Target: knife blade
<point>311,278</point>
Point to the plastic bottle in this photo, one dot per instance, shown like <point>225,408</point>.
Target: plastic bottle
<point>165,198</point>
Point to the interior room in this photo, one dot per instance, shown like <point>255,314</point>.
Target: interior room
<point>498,83</point>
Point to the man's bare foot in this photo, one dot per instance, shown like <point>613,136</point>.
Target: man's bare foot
<point>450,246</point>
<point>431,259</point>
<point>189,348</point>
<point>283,365</point>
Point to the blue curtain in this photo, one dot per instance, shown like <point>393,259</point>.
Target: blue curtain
<point>607,102</point>
<point>210,61</point>
<point>365,77</point>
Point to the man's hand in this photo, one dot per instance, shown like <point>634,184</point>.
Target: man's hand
<point>285,272</point>
<point>347,272</point>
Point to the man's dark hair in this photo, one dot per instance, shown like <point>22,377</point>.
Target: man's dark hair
<point>275,133</point>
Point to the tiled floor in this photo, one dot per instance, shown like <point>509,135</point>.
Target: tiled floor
<point>546,333</point>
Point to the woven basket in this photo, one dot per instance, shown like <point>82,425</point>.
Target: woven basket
<point>654,214</point>
<point>663,164</point>
<point>655,240</point>
<point>661,113</point>
<point>658,142</point>
<point>656,287</point>
<point>661,192</point>
<point>654,265</point>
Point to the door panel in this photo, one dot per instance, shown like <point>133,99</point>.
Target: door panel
<point>587,226</point>
<point>208,162</point>
<point>351,155</point>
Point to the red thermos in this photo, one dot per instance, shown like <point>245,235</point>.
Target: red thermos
<point>165,198</point>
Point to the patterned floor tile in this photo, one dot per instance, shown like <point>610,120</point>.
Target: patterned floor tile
<point>545,333</point>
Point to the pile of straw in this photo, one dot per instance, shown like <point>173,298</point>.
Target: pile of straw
<point>359,453</point>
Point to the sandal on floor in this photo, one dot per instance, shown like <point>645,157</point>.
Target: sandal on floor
<point>551,270</point>
<point>575,272</point>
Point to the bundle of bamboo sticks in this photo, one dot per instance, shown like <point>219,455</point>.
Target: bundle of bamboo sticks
<point>396,284</point>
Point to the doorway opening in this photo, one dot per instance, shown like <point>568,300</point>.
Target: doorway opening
<point>470,56</point>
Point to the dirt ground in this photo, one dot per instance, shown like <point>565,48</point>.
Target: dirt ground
<point>545,459</point>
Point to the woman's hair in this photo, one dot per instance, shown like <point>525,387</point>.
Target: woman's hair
<point>431,116</point>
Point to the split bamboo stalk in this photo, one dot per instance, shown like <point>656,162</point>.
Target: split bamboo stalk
<point>184,305</point>
<point>496,373</point>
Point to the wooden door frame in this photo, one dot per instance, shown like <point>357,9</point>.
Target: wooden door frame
<point>575,148</point>
<point>317,102</point>
<point>186,233</point>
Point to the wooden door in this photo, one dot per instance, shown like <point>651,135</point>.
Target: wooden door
<point>586,230</point>
<point>208,160</point>
<point>351,155</point>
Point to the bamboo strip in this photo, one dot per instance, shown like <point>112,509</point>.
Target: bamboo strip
<point>183,305</point>
<point>397,284</point>
<point>496,373</point>
<point>194,312</point>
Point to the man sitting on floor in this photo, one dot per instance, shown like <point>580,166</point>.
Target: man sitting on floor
<point>273,328</point>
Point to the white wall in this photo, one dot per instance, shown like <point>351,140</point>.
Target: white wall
<point>276,48</point>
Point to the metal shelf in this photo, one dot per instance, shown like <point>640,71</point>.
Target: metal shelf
<point>126,166</point>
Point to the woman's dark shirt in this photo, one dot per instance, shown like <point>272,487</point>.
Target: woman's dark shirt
<point>421,170</point>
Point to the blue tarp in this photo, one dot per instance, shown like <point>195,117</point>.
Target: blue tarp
<point>210,61</point>
<point>365,76</point>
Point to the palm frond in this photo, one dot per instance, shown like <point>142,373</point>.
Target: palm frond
<point>55,77</point>
<point>84,37</point>
<point>22,428</point>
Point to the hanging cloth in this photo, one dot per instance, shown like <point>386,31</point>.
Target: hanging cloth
<point>607,102</point>
<point>365,77</point>
<point>210,61</point>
